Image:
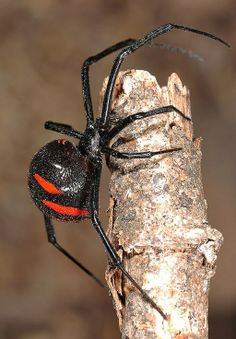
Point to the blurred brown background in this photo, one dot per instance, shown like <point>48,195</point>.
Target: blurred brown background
<point>42,47</point>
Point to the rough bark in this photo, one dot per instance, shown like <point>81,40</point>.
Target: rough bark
<point>158,221</point>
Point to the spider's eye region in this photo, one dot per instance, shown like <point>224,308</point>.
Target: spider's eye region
<point>47,185</point>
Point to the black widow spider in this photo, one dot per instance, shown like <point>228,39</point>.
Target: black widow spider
<point>64,179</point>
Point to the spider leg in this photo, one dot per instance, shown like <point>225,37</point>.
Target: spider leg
<point>132,48</point>
<point>85,75</point>
<point>52,239</point>
<point>178,50</point>
<point>138,155</point>
<point>108,246</point>
<point>62,128</point>
<point>141,115</point>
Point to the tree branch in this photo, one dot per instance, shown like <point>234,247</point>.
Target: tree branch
<point>158,221</point>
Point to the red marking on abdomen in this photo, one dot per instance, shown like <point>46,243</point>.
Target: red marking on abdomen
<point>46,185</point>
<point>74,211</point>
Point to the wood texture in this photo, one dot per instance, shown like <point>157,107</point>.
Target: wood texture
<point>158,215</point>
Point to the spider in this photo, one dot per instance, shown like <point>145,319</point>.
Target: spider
<point>64,178</point>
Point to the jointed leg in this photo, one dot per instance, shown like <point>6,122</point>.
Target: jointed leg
<point>138,155</point>
<point>109,248</point>
<point>130,49</point>
<point>52,239</point>
<point>85,74</point>
<point>141,115</point>
<point>62,128</point>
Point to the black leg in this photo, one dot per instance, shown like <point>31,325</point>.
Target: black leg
<point>141,115</point>
<point>85,75</point>
<point>62,128</point>
<point>138,155</point>
<point>130,49</point>
<point>108,246</point>
<point>52,239</point>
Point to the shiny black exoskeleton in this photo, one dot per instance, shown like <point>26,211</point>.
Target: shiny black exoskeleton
<point>64,179</point>
<point>60,181</point>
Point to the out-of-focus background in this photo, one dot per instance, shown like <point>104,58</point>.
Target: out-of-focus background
<point>42,47</point>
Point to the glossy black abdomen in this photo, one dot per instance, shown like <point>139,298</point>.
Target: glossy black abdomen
<point>60,181</point>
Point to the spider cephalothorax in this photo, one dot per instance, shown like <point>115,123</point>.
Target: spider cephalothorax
<point>64,179</point>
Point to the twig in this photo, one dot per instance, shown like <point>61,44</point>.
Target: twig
<point>158,222</point>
